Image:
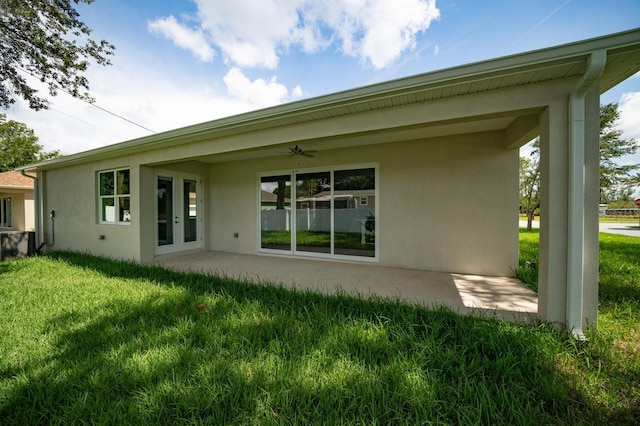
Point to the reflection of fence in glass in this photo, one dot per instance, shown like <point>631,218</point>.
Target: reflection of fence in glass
<point>313,220</point>
<point>276,220</point>
<point>318,220</point>
<point>352,220</point>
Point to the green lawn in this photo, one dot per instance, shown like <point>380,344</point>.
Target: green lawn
<point>88,340</point>
<point>350,240</point>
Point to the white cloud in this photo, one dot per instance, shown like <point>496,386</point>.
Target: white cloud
<point>259,92</point>
<point>390,28</point>
<point>629,112</point>
<point>256,33</point>
<point>249,32</point>
<point>297,92</point>
<point>152,98</point>
<point>192,40</point>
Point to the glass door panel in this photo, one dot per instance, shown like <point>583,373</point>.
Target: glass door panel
<point>165,211</point>
<point>354,212</point>
<point>190,210</point>
<point>275,212</point>
<point>313,212</point>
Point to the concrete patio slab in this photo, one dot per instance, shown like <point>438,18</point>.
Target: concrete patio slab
<point>507,297</point>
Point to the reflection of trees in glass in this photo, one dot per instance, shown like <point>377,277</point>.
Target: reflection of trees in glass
<point>370,223</point>
<point>123,182</point>
<point>282,191</point>
<point>354,179</point>
<point>309,185</point>
<point>106,183</point>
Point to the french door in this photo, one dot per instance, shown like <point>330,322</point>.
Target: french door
<point>177,213</point>
<point>323,213</point>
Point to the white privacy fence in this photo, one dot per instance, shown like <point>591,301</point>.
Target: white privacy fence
<point>316,220</point>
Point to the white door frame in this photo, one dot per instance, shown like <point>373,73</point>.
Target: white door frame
<point>178,208</point>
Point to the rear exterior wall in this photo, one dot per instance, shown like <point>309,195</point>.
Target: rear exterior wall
<point>446,204</point>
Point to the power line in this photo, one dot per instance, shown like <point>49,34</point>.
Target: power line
<point>114,114</point>
<point>84,122</point>
<point>93,104</point>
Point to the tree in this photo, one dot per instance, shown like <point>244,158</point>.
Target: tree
<point>530,183</point>
<point>45,39</point>
<point>19,146</point>
<point>614,177</point>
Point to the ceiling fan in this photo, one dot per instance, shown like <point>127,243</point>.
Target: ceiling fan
<point>297,151</point>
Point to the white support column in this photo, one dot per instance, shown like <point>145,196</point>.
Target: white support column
<point>552,267</point>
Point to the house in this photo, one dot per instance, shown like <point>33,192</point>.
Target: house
<point>17,238</point>
<point>16,202</point>
<point>428,147</point>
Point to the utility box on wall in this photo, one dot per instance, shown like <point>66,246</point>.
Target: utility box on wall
<point>17,244</point>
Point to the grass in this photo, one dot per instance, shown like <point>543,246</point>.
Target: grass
<point>89,340</point>
<point>350,240</point>
<point>528,258</point>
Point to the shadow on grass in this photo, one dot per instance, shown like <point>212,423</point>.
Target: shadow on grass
<point>206,349</point>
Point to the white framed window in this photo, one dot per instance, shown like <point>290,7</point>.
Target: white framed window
<point>114,198</point>
<point>5,212</point>
<point>320,213</point>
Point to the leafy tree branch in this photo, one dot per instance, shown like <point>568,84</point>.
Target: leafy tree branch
<point>47,40</point>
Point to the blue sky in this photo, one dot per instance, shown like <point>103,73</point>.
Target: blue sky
<point>181,62</point>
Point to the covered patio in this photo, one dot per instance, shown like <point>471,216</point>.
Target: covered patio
<point>507,297</point>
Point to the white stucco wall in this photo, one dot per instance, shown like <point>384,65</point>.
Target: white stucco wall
<point>29,212</point>
<point>446,204</point>
<point>71,193</point>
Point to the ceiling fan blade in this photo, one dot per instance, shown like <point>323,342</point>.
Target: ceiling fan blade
<point>306,154</point>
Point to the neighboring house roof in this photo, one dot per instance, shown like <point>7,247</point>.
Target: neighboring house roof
<point>270,197</point>
<point>560,62</point>
<point>15,180</point>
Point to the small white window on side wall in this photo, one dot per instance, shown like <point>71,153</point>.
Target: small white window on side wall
<point>114,198</point>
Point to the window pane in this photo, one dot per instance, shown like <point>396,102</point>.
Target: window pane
<point>354,212</point>
<point>106,183</point>
<point>165,211</point>
<point>313,212</point>
<point>275,212</point>
<point>189,210</point>
<point>5,212</point>
<point>125,209</point>
<point>108,210</point>
<point>123,182</point>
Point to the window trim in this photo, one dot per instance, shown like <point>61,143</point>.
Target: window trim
<point>115,197</point>
<point>5,212</point>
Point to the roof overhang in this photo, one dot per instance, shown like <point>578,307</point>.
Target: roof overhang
<point>555,63</point>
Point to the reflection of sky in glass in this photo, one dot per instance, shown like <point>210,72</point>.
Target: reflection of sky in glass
<point>271,186</point>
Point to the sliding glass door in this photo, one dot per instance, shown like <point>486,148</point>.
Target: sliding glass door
<point>354,212</point>
<point>275,212</point>
<point>324,213</point>
<point>313,212</point>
